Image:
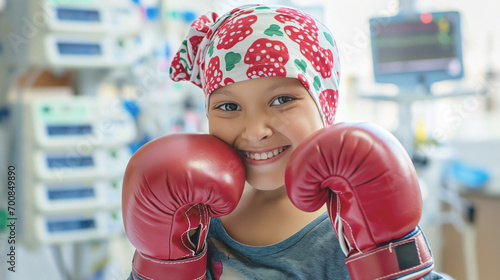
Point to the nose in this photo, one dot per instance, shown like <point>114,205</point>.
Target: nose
<point>257,128</point>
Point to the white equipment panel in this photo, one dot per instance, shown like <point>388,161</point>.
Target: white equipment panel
<point>86,51</point>
<point>64,165</point>
<point>98,17</point>
<point>76,151</point>
<point>51,229</point>
<point>73,34</point>
<point>78,196</point>
<point>82,122</point>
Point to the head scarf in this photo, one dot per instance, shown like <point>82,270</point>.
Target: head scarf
<point>255,41</point>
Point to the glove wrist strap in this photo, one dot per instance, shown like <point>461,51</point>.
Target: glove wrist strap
<point>146,267</point>
<point>408,258</point>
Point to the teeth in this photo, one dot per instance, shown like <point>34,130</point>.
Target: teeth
<point>263,156</point>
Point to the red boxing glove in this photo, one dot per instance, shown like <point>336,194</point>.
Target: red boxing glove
<point>172,185</point>
<point>373,195</point>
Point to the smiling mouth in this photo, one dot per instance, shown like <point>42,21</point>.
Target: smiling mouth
<point>264,155</point>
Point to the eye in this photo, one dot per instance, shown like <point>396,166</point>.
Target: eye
<point>229,107</point>
<point>282,100</point>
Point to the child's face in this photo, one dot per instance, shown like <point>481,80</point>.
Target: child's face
<point>264,119</point>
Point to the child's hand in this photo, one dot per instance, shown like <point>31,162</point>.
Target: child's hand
<point>373,196</point>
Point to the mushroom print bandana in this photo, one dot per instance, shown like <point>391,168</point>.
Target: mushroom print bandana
<point>255,41</point>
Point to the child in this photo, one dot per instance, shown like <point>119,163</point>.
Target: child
<point>271,77</point>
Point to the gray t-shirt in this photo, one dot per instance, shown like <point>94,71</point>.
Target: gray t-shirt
<point>311,253</point>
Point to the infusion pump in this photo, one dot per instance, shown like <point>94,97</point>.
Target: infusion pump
<point>81,122</point>
<point>75,34</point>
<point>75,153</point>
<point>120,17</point>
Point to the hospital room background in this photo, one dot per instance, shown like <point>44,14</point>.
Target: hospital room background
<point>84,83</point>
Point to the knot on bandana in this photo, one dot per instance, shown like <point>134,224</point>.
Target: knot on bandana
<point>255,41</point>
<point>186,63</point>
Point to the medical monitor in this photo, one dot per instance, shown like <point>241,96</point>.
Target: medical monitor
<point>417,49</point>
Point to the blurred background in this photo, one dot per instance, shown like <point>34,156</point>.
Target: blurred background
<point>84,83</point>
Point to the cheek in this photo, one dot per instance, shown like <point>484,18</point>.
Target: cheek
<point>214,127</point>
<point>221,130</point>
<point>304,127</point>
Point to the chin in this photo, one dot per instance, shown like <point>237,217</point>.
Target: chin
<point>266,178</point>
<point>265,185</point>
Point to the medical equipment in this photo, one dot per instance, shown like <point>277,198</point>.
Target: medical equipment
<point>84,121</point>
<point>413,50</point>
<point>64,164</point>
<point>417,48</point>
<point>75,153</point>
<point>78,226</point>
<point>74,34</point>
<point>118,17</point>
<point>71,150</point>
<point>77,196</point>
<point>85,51</point>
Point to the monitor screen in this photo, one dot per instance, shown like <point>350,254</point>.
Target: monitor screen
<point>67,130</point>
<point>70,192</point>
<point>78,15</point>
<point>69,161</point>
<point>72,48</point>
<point>71,225</point>
<point>414,49</point>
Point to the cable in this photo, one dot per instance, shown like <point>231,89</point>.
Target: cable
<point>59,260</point>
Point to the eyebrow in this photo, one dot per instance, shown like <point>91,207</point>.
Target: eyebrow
<point>221,91</point>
